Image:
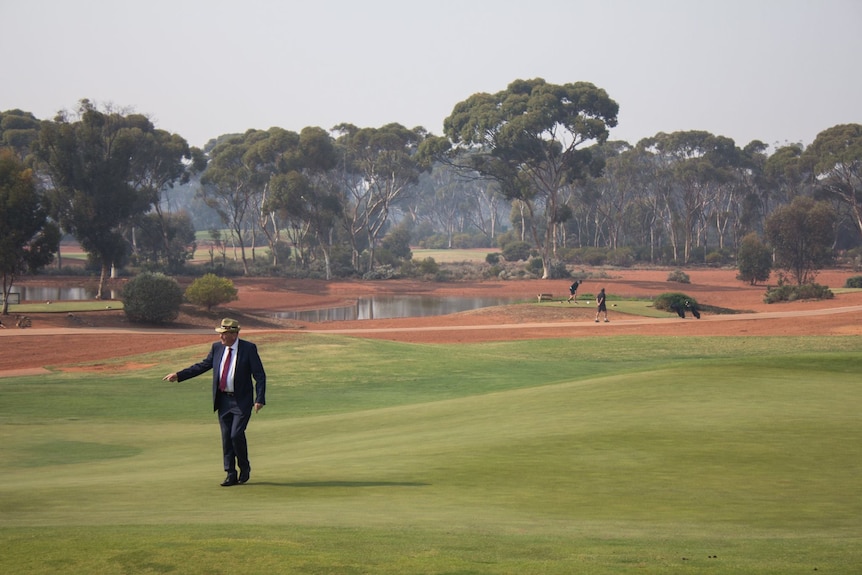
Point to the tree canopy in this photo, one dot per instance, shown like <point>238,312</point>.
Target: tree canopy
<point>535,152</point>
<point>835,160</point>
<point>104,169</point>
<point>28,240</point>
<point>801,235</point>
<point>530,138</point>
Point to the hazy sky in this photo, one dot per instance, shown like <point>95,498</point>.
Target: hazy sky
<point>776,70</point>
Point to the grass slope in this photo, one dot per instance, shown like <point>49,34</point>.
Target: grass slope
<point>605,455</point>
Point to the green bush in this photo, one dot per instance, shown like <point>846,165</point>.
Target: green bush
<point>798,292</point>
<point>210,290</point>
<point>754,260</point>
<point>678,276</point>
<point>667,301</point>
<point>492,258</point>
<point>428,267</point>
<point>152,298</point>
<point>854,282</point>
<point>593,256</point>
<point>517,251</point>
<point>621,257</point>
<point>558,270</point>
<point>384,272</point>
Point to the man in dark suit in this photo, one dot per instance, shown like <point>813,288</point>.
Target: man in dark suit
<point>236,362</point>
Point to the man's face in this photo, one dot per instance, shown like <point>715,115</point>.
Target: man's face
<point>227,338</point>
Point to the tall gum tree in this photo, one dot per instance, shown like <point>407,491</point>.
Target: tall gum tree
<point>29,240</point>
<point>531,139</point>
<point>231,184</point>
<point>91,160</point>
<point>835,160</point>
<point>379,167</point>
<point>801,235</point>
<point>698,167</point>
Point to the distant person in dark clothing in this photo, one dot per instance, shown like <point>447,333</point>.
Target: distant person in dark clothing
<point>573,291</point>
<point>601,305</point>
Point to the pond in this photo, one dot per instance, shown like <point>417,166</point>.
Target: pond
<point>386,307</point>
<point>374,307</point>
<point>54,293</point>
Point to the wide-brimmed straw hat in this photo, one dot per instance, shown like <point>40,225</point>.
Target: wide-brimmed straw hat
<point>228,324</point>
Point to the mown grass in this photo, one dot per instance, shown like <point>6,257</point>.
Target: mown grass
<point>601,455</point>
<point>66,306</point>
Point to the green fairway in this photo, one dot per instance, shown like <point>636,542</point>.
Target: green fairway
<point>599,455</point>
<point>66,306</point>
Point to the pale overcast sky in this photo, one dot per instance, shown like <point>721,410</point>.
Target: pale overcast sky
<point>776,70</point>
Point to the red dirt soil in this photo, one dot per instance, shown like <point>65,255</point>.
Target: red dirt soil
<point>58,340</point>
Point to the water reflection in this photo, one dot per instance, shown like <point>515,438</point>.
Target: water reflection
<point>385,307</point>
<point>54,293</point>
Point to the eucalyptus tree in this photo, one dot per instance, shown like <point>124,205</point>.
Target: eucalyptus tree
<point>29,239</point>
<point>305,192</point>
<point>697,163</point>
<point>269,156</point>
<point>490,203</point>
<point>446,199</point>
<point>786,176</point>
<point>230,182</point>
<point>165,160</point>
<point>93,162</point>
<point>530,138</point>
<point>613,192</point>
<point>801,235</point>
<point>647,188</point>
<point>166,239</point>
<point>734,173</point>
<point>379,166</point>
<point>753,183</point>
<point>835,161</point>
<point>18,131</point>
<point>471,199</point>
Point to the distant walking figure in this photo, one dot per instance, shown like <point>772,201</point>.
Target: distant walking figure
<point>573,291</point>
<point>601,307</point>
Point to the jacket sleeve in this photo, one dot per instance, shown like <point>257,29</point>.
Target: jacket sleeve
<point>258,374</point>
<point>195,370</point>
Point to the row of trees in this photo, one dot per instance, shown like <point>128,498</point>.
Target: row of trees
<point>537,151</point>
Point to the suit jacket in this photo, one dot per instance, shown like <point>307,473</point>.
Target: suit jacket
<point>248,366</point>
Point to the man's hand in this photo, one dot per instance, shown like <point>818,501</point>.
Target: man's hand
<point>258,407</point>
<point>170,377</point>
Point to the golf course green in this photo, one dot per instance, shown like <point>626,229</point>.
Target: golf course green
<point>601,455</point>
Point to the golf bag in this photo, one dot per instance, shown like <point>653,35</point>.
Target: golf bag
<point>692,309</point>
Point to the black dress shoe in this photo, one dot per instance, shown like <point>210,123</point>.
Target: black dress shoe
<point>229,480</point>
<point>244,476</point>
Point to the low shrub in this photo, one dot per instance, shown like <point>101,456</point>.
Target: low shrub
<point>678,276</point>
<point>671,300</point>
<point>428,266</point>
<point>152,298</point>
<point>210,290</point>
<point>854,282</point>
<point>797,292</point>
<point>517,251</point>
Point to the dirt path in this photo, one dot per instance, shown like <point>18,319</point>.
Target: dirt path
<point>56,340</point>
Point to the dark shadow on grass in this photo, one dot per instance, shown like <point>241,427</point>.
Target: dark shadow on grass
<point>339,484</point>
